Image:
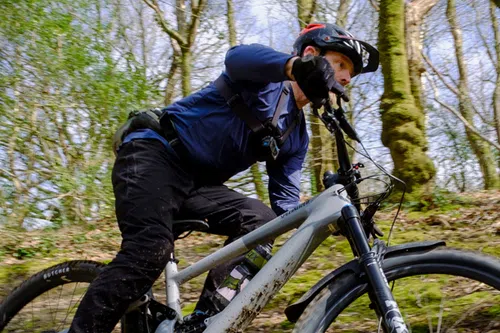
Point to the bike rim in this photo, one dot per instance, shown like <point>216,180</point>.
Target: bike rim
<point>437,303</point>
<point>52,311</point>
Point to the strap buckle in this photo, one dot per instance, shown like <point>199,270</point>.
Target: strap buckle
<point>233,100</point>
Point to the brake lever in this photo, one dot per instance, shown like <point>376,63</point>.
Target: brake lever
<point>344,124</point>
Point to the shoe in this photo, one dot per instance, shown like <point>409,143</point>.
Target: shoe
<point>193,323</point>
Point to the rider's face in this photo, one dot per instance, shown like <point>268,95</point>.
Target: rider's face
<point>340,63</point>
<point>342,66</point>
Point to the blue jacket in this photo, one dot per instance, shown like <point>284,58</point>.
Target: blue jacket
<point>218,140</point>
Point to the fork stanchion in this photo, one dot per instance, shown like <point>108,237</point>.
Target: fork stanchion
<point>384,301</point>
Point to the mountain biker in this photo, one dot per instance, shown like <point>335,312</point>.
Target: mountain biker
<point>174,166</point>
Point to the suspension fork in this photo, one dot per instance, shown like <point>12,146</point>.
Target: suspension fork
<point>381,295</point>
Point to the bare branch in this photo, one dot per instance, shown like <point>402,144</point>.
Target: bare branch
<point>311,11</point>
<point>485,41</point>
<point>467,124</point>
<point>159,14</point>
<point>230,23</point>
<point>451,88</point>
<point>461,118</point>
<point>195,21</point>
<point>375,5</point>
<point>422,6</point>
<point>440,76</point>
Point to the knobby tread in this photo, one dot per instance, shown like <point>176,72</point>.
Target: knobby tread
<point>311,314</point>
<point>60,274</point>
<point>338,291</point>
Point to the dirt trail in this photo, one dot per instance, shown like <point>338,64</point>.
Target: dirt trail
<point>472,222</point>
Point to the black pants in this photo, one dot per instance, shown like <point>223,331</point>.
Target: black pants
<point>151,188</point>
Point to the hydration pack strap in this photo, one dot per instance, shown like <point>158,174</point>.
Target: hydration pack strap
<point>235,101</point>
<point>238,105</point>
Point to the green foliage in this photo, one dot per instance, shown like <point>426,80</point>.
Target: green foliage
<point>41,247</point>
<point>63,91</point>
<point>439,199</point>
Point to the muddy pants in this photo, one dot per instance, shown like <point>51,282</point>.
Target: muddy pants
<point>152,188</point>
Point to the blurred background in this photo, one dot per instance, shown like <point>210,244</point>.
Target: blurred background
<point>72,70</point>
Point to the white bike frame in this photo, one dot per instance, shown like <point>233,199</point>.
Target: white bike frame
<point>315,219</point>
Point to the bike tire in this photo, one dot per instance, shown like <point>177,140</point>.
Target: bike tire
<point>77,271</point>
<point>446,263</point>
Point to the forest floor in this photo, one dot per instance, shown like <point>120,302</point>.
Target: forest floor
<point>469,221</point>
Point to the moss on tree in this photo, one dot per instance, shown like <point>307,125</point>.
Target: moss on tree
<point>403,123</point>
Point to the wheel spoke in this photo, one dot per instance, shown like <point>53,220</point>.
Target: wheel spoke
<point>69,307</point>
<point>440,316</point>
<point>32,318</point>
<point>37,294</point>
<point>58,299</point>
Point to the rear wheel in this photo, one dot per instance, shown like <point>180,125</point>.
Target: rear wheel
<point>48,300</point>
<point>442,290</point>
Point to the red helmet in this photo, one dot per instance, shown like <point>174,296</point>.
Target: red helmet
<point>327,36</point>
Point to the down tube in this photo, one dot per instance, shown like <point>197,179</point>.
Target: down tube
<point>268,231</point>
<point>248,304</point>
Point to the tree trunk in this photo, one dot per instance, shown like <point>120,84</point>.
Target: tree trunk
<point>260,188</point>
<point>230,23</point>
<point>305,11</point>
<point>320,148</point>
<point>185,36</point>
<point>172,77</point>
<point>496,93</point>
<point>186,71</point>
<point>341,21</point>
<point>403,124</point>
<point>171,81</point>
<point>415,13</point>
<point>479,147</point>
<point>342,13</point>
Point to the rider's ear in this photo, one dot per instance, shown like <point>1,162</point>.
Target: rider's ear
<point>312,50</point>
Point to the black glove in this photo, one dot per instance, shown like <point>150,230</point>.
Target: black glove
<point>145,119</point>
<point>316,78</point>
<point>138,120</point>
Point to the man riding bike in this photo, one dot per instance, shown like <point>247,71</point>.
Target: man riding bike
<point>172,163</point>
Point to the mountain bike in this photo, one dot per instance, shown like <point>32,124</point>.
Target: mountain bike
<point>383,289</point>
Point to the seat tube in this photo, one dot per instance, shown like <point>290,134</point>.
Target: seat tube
<point>173,295</point>
<point>384,301</point>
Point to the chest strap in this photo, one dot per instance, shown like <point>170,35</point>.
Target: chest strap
<point>238,105</point>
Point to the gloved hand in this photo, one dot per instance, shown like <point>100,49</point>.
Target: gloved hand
<point>145,119</point>
<point>138,120</point>
<point>316,78</point>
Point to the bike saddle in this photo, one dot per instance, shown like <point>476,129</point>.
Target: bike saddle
<point>181,226</point>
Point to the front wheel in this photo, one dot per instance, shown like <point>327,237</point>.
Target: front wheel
<point>442,290</point>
